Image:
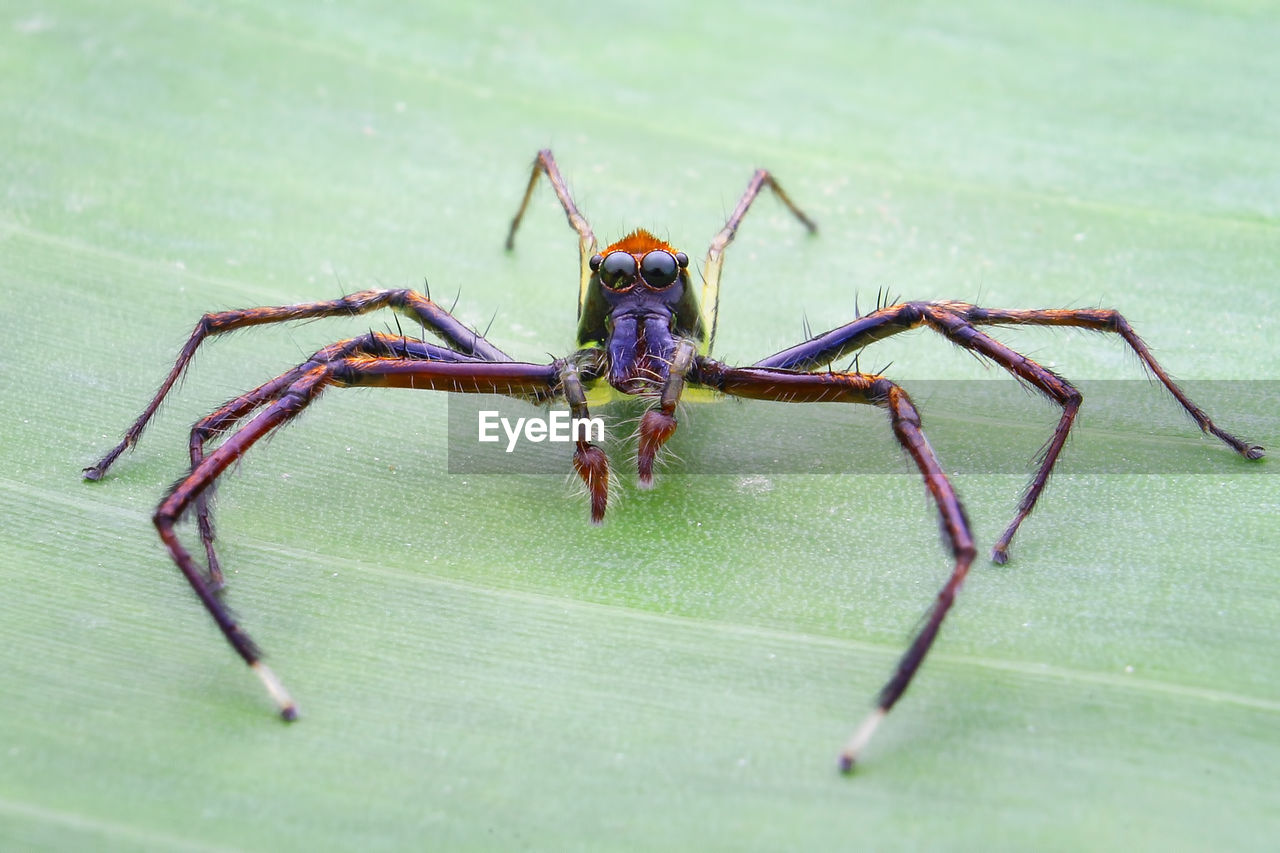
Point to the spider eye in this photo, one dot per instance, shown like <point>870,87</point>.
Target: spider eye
<point>617,270</point>
<point>682,259</point>
<point>594,263</point>
<point>659,268</point>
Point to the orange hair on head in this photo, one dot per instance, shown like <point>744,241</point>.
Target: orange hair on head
<point>639,242</point>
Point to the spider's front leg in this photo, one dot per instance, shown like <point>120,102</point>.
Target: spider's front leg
<point>789,386</point>
<point>227,416</point>
<point>341,366</point>
<point>217,422</point>
<point>959,321</point>
<point>589,461</point>
<point>410,303</point>
<point>297,395</point>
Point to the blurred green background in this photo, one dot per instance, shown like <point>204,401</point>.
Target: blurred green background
<point>477,666</point>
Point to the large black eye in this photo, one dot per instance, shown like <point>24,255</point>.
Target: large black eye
<point>617,270</point>
<point>659,268</point>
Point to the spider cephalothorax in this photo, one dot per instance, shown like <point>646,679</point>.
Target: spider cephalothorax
<point>639,304</point>
<point>642,332</point>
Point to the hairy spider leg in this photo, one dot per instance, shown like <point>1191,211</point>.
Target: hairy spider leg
<point>545,163</point>
<point>296,396</point>
<point>658,424</point>
<point>408,302</point>
<point>238,408</point>
<point>957,321</point>
<point>788,386</point>
<point>511,378</point>
<point>589,461</point>
<point>1110,320</point>
<point>714,263</point>
<point>209,427</point>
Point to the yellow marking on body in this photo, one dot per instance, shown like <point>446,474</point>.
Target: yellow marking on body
<point>602,392</point>
<point>710,303</point>
<point>586,248</point>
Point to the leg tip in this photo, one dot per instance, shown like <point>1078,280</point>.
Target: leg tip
<point>1255,451</point>
<point>593,468</point>
<point>1000,555</point>
<point>94,473</point>
<point>599,503</point>
<point>859,740</point>
<point>655,428</point>
<point>288,709</point>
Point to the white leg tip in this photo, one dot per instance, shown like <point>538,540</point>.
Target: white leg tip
<point>858,741</point>
<point>288,710</point>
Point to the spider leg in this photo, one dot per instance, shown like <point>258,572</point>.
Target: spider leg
<point>237,409</point>
<point>408,302</point>
<point>1047,382</point>
<point>659,424</point>
<point>291,398</point>
<point>1109,320</point>
<point>714,263</point>
<point>589,461</point>
<point>541,383</point>
<point>294,399</point>
<point>772,384</point>
<point>214,424</point>
<point>957,321</point>
<point>545,163</point>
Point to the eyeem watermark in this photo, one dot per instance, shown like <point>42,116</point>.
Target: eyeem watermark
<point>558,426</point>
<point>978,427</point>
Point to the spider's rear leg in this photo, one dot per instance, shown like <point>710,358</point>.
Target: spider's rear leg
<point>659,424</point>
<point>714,264</point>
<point>545,164</point>
<point>789,386</point>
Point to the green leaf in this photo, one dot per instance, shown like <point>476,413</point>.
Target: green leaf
<point>477,666</point>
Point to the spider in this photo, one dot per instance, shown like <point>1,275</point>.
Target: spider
<point>643,332</point>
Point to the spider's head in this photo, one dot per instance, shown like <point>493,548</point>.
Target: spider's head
<point>638,302</point>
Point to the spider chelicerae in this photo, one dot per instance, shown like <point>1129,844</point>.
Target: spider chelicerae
<point>643,331</point>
